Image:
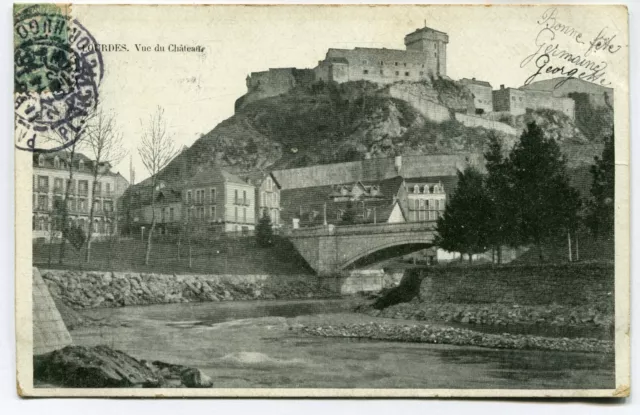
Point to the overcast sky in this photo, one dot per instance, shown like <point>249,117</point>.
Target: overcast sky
<point>198,90</point>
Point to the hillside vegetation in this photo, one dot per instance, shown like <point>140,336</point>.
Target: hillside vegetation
<point>325,123</point>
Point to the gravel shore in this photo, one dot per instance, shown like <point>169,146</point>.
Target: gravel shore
<point>425,333</point>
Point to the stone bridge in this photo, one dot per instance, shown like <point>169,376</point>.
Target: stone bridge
<point>330,249</point>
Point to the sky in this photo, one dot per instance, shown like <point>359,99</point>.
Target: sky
<point>198,90</point>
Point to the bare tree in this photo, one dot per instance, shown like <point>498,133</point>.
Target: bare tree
<point>103,142</point>
<point>156,150</point>
<point>63,210</point>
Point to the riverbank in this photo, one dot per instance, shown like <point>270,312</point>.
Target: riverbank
<point>259,344</point>
<point>425,333</point>
<point>89,289</point>
<point>566,297</point>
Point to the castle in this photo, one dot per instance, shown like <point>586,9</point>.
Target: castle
<point>424,58</point>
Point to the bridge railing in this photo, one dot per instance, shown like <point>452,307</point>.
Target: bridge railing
<point>378,228</point>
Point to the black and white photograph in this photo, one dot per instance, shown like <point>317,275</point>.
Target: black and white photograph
<point>327,201</point>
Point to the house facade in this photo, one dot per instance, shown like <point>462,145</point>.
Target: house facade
<point>267,199</point>
<point>425,201</point>
<point>51,185</point>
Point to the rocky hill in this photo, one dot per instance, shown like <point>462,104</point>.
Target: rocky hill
<point>324,123</point>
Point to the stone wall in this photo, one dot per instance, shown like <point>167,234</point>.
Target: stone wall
<point>422,99</point>
<point>570,285</point>
<point>93,289</point>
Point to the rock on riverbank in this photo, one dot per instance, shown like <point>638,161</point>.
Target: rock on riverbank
<point>499,314</point>
<point>102,367</point>
<point>81,290</point>
<point>425,333</point>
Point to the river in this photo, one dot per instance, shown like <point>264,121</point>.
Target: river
<point>253,344</point>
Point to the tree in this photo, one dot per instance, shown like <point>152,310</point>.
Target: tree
<point>104,144</point>
<point>544,204</point>
<point>497,186</point>
<point>156,150</point>
<point>264,231</point>
<point>465,226</point>
<point>601,207</point>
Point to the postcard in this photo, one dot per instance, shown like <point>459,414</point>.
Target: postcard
<point>322,201</point>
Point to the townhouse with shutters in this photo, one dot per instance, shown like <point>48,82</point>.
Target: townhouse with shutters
<point>51,183</point>
<point>213,200</point>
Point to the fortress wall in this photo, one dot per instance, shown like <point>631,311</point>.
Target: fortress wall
<point>429,109</point>
<point>473,121</point>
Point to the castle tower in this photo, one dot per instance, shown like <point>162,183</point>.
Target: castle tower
<point>433,44</point>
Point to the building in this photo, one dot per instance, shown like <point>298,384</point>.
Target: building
<point>482,94</point>
<point>51,184</point>
<point>426,201</point>
<point>267,198</point>
<point>361,202</point>
<point>425,56</point>
<point>511,100</point>
<point>377,169</point>
<point>539,99</point>
<point>220,199</point>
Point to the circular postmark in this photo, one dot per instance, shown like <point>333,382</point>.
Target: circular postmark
<point>57,74</point>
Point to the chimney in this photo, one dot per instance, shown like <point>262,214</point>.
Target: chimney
<point>473,79</point>
<point>501,86</point>
<point>398,163</point>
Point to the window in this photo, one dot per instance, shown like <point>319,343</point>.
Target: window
<point>108,206</point>
<point>513,98</point>
<point>244,197</point>
<point>381,72</point>
<point>236,199</point>
<point>82,205</point>
<point>406,74</point>
<point>381,63</point>
<point>405,64</point>
<point>396,63</point>
<point>276,203</point>
<point>188,196</point>
<point>43,202</point>
<point>171,214</point>
<point>213,195</point>
<point>421,73</point>
<point>56,162</point>
<point>364,62</point>
<point>416,189</point>
<point>236,212</point>
<point>244,215</point>
<point>57,185</point>
<point>421,204</point>
<point>365,72</point>
<point>264,199</point>
<point>40,160</point>
<point>201,212</point>
<point>96,206</point>
<point>83,187</point>
<point>435,53</point>
<point>212,212</point>
<point>397,73</point>
<point>43,183</point>
<point>108,186</point>
<point>81,165</point>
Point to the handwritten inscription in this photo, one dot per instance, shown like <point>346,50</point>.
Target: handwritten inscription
<point>564,50</point>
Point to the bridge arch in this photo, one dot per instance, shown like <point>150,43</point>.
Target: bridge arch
<point>420,243</point>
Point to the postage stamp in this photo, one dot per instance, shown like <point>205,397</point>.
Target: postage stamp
<point>315,201</point>
<point>57,75</point>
